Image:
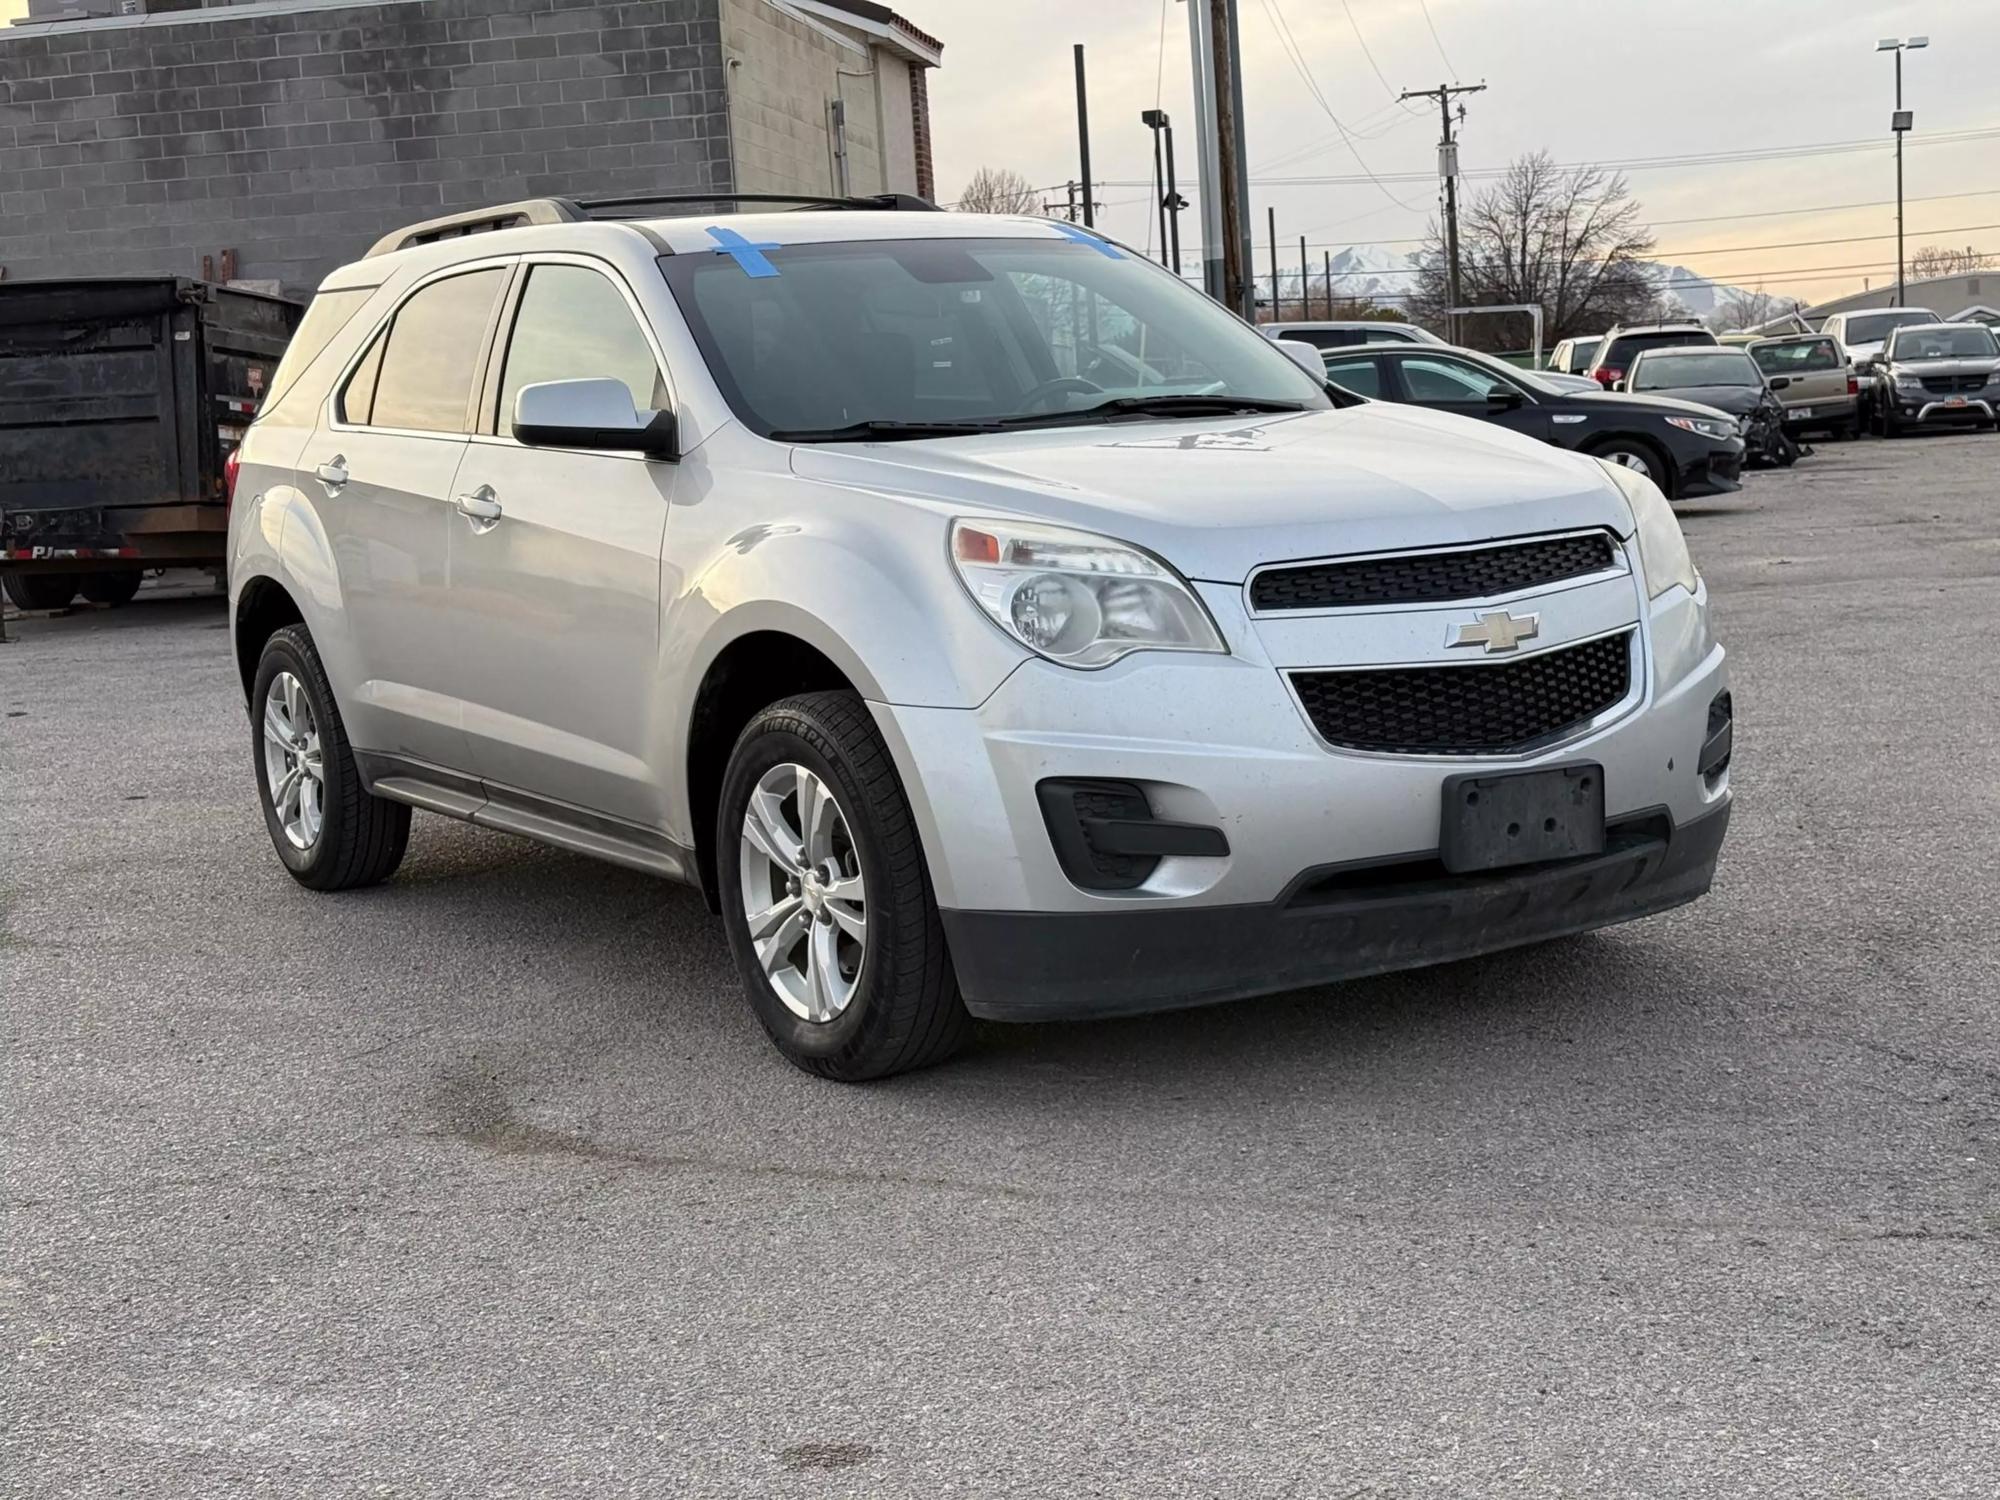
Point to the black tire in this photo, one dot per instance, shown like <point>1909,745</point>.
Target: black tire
<point>40,590</point>
<point>362,838</point>
<point>905,1011</point>
<point>112,589</point>
<point>1655,469</point>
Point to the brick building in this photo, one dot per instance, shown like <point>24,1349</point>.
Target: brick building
<point>273,140</point>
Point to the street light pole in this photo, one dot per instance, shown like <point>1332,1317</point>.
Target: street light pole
<point>1899,125</point>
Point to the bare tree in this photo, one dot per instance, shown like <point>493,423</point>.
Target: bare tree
<point>1571,241</point>
<point>1942,260</point>
<point>999,190</point>
<point>1741,309</point>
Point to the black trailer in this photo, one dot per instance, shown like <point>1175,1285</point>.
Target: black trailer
<point>121,398</point>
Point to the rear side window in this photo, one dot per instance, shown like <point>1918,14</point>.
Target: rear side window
<point>573,324</point>
<point>419,374</point>
<point>328,314</point>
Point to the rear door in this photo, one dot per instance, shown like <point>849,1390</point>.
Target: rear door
<point>559,593</point>
<point>379,475</point>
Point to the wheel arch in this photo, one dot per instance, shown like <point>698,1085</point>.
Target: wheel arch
<point>1668,466</point>
<point>263,607</point>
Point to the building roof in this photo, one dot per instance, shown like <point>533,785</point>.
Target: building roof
<point>880,21</point>
<point>1944,295</point>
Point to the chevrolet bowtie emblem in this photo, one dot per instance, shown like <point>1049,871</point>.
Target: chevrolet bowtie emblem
<point>1498,631</point>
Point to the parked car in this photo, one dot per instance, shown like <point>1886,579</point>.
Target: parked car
<point>121,401</point>
<point>1722,379</point>
<point>1573,356</point>
<point>1862,335</point>
<point>1346,335</point>
<point>789,554</point>
<point>1810,374</point>
<point>1937,374</point>
<point>1622,344</point>
<point>1685,449</point>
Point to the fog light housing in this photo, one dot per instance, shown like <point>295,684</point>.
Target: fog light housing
<point>1107,839</point>
<point>1718,741</point>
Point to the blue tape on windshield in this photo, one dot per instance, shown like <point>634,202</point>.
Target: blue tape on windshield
<point>1071,232</point>
<point>747,255</point>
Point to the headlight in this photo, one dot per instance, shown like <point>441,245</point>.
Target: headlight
<point>1909,382</point>
<point>1078,599</point>
<point>1704,426</point>
<point>1663,551</point>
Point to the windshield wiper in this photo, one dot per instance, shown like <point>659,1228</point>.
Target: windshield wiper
<point>882,429</point>
<point>1182,404</point>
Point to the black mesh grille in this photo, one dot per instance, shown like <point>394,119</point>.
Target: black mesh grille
<point>1428,577</point>
<point>1948,385</point>
<point>1465,710</point>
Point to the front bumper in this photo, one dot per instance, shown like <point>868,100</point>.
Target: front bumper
<point>1717,472</point>
<point>1220,742</point>
<point>1930,411</point>
<point>1024,966</point>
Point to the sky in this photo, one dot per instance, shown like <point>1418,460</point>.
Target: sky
<point>1586,80</point>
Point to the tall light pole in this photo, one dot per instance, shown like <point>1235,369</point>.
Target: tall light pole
<point>1899,124</point>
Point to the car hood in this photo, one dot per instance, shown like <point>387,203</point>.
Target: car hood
<point>1217,497</point>
<point>1611,402</point>
<point>1737,400</point>
<point>1984,364</point>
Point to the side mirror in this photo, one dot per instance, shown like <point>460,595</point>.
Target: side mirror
<point>1502,399</point>
<point>595,414</point>
<point>1305,356</point>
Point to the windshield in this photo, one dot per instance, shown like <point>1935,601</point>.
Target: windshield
<point>818,339</point>
<point>1670,372</point>
<point>1942,342</point>
<point>1872,328</point>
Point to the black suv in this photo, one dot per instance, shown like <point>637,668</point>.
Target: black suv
<point>1614,356</point>
<point>1687,450</point>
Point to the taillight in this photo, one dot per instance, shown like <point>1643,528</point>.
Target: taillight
<point>1853,386</point>
<point>229,467</point>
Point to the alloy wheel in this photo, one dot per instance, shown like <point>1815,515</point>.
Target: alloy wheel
<point>292,765</point>
<point>804,900</point>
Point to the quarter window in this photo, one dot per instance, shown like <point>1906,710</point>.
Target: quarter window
<point>419,374</point>
<point>574,324</point>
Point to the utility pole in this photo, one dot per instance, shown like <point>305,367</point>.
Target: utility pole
<point>1899,124</point>
<point>1277,307</point>
<point>1327,255</point>
<point>1305,282</point>
<point>1208,171</point>
<point>1448,170</point>
<point>1083,134</point>
<point>1232,177</point>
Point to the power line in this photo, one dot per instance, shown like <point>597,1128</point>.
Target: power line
<point>1425,4</point>
<point>1387,88</point>
<point>1274,12</point>
<point>1798,273</point>
<point>1844,239</point>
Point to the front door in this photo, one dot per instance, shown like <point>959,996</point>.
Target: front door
<point>559,592</point>
<point>379,472</point>
<point>1446,383</point>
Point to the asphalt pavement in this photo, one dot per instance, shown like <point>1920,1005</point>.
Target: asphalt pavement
<point>486,1183</point>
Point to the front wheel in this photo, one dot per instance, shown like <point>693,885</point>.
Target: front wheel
<point>331,834</point>
<point>1631,455</point>
<point>826,898</point>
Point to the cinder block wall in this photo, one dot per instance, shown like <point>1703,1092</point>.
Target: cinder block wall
<point>786,70</point>
<point>297,136</point>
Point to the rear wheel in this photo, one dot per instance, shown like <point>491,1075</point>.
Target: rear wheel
<point>329,832</point>
<point>826,898</point>
<point>40,590</point>
<point>112,589</point>
<point>1628,454</point>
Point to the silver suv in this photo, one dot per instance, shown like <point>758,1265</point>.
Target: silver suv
<point>987,623</point>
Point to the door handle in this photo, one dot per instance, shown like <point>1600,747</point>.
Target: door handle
<point>480,507</point>
<point>334,471</point>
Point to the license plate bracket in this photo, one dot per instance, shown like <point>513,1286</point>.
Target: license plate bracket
<point>1492,820</point>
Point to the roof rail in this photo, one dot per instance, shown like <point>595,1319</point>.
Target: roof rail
<point>478,221</point>
<point>605,208</point>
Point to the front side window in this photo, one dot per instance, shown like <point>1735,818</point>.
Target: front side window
<point>1672,372</point>
<point>419,373</point>
<point>1942,342</point>
<point>1441,380</point>
<point>964,331</point>
<point>574,324</point>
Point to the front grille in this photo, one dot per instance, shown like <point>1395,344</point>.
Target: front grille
<point>1472,709</point>
<point>1427,577</point>
<point>1953,385</point>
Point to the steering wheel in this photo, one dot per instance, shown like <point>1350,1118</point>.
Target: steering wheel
<point>1061,383</point>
